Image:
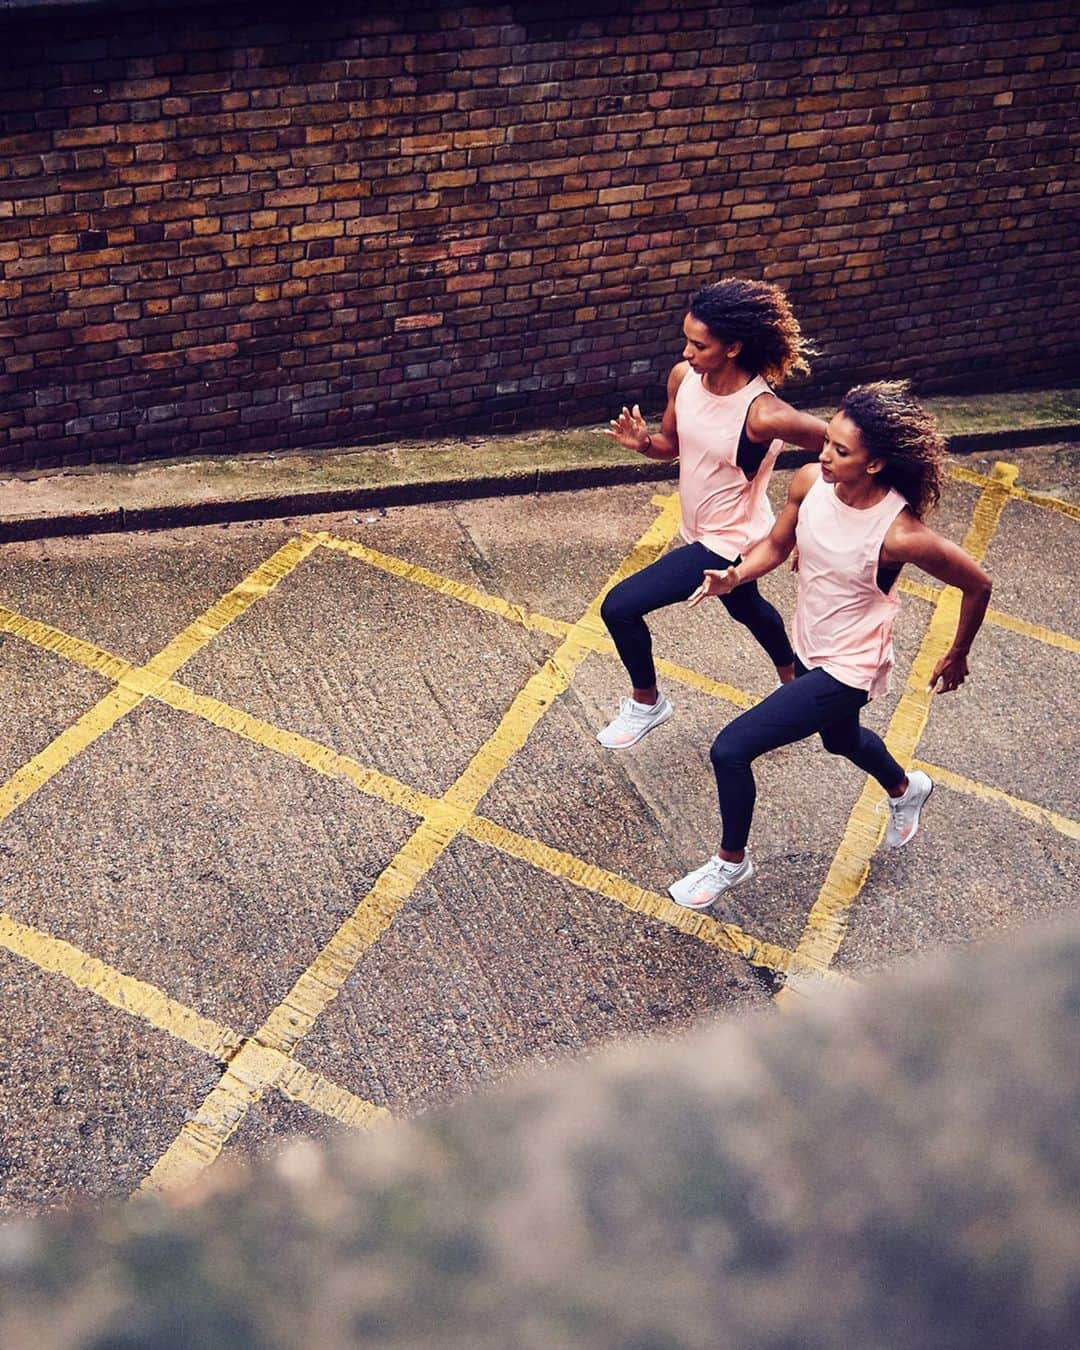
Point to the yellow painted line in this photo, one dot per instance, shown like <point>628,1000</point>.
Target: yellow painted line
<point>202,1138</point>
<point>387,789</point>
<point>152,1005</point>
<point>137,997</point>
<point>591,632</point>
<point>1041,815</point>
<point>998,619</point>
<point>73,649</point>
<point>1043,499</point>
<point>320,758</point>
<point>137,682</point>
<point>455,590</point>
<point>60,751</point>
<point>828,919</point>
<point>300,1084</point>
<point>329,763</point>
<point>255,586</point>
<point>922,589</point>
<point>253,1071</point>
<point>725,937</point>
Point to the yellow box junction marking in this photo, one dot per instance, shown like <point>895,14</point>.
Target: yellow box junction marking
<point>996,619</point>
<point>1043,499</point>
<point>136,683</point>
<point>152,680</point>
<point>130,995</point>
<point>828,918</point>
<point>333,764</point>
<point>1041,815</point>
<point>152,1005</point>
<point>202,1138</point>
<point>597,638</point>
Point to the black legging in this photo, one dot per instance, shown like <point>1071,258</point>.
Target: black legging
<point>814,702</point>
<point>672,578</point>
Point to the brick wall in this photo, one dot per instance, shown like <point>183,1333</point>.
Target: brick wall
<point>255,227</point>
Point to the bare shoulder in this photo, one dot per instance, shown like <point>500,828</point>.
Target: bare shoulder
<point>802,480</point>
<point>676,377</point>
<point>908,539</point>
<point>770,418</point>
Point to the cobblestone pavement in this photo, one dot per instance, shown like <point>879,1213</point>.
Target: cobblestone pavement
<point>304,825</point>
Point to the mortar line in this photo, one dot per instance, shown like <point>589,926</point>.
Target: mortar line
<point>201,1139</point>
<point>827,921</point>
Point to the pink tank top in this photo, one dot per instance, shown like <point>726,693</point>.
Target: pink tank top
<point>843,620</point>
<point>720,507</point>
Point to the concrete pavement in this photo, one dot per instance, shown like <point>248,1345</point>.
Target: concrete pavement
<point>303,823</point>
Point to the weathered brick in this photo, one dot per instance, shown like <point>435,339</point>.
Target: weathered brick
<point>212,227</point>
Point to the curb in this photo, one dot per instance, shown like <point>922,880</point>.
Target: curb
<point>516,483</point>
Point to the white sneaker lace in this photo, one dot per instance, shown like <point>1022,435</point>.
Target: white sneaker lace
<point>634,712</point>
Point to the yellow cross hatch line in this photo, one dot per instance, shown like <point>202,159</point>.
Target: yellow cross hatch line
<point>996,619</point>
<point>202,1138</point>
<point>332,764</point>
<point>1040,815</point>
<point>1042,499</point>
<point>136,683</point>
<point>152,1005</point>
<point>264,1062</point>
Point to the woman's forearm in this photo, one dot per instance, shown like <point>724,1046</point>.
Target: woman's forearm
<point>765,556</point>
<point>659,446</point>
<point>972,610</point>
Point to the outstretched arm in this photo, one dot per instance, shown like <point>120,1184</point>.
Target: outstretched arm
<point>771,419</point>
<point>910,541</point>
<point>631,430</point>
<point>769,552</point>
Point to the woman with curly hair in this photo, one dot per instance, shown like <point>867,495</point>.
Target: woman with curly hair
<point>856,518</point>
<point>726,427</point>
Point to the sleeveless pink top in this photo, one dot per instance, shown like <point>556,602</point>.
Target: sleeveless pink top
<point>843,620</point>
<point>720,507</point>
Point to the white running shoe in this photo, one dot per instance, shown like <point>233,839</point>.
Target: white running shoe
<point>904,811</point>
<point>633,721</point>
<point>702,888</point>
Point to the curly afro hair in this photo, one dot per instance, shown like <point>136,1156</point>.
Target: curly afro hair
<point>758,315</point>
<point>895,428</point>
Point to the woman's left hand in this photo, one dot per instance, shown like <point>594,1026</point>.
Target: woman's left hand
<point>715,583</point>
<point>951,670</point>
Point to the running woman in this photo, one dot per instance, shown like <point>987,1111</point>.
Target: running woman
<point>855,518</point>
<point>726,427</point>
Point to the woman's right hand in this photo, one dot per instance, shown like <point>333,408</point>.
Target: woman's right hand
<point>716,583</point>
<point>630,430</point>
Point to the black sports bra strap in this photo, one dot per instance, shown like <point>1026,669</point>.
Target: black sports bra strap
<point>750,454</point>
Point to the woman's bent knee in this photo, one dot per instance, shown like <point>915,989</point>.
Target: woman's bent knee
<point>727,753</point>
<point>616,609</point>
